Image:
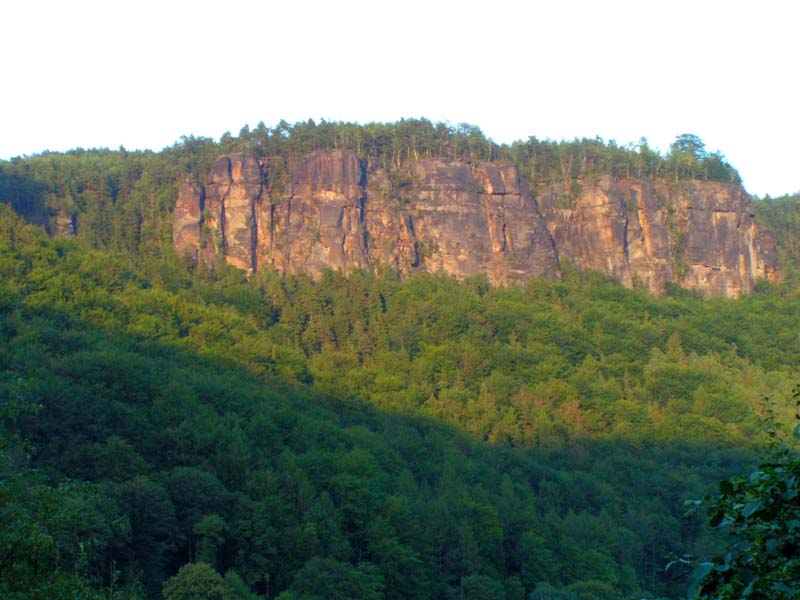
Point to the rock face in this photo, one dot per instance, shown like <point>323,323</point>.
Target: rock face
<point>220,217</point>
<point>187,220</point>
<point>518,232</point>
<point>233,191</point>
<point>63,223</point>
<point>319,224</point>
<point>477,219</point>
<point>720,248</point>
<point>468,219</point>
<point>701,235</point>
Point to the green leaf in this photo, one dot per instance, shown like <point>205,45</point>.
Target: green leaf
<point>771,547</point>
<point>750,508</point>
<point>698,577</point>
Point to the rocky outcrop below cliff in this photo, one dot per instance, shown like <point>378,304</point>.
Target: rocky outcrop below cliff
<point>62,223</point>
<point>471,218</point>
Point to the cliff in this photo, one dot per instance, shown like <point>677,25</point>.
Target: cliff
<point>471,218</point>
<point>702,235</point>
<point>438,214</point>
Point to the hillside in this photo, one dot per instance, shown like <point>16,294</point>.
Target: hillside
<point>360,434</point>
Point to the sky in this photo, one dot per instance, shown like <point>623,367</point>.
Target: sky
<point>142,74</point>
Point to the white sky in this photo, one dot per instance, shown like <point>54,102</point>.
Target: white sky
<point>142,74</point>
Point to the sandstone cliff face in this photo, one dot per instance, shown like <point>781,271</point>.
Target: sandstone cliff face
<point>617,228</point>
<point>518,232</point>
<point>723,250</point>
<point>699,234</point>
<point>187,220</point>
<point>319,224</point>
<point>390,226</point>
<point>467,219</point>
<point>231,195</point>
<point>220,216</point>
<point>478,220</point>
<point>437,215</point>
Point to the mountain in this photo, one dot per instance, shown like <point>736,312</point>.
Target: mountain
<point>412,196</point>
<point>468,218</point>
<point>271,411</point>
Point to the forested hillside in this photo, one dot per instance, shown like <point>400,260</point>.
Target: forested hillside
<point>360,435</point>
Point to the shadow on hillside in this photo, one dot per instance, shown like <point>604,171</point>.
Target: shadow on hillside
<point>163,426</point>
<point>26,197</point>
<point>114,408</point>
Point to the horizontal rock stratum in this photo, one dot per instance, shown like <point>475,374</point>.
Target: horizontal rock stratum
<point>465,219</point>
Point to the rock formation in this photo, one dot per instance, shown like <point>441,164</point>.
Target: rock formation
<point>471,218</point>
<point>319,223</point>
<point>63,223</point>
<point>701,235</point>
<point>187,220</point>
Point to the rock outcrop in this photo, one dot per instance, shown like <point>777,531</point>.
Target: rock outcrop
<point>63,223</point>
<point>471,218</point>
<point>188,221</point>
<point>701,235</point>
<point>319,223</point>
<point>465,220</point>
<point>719,247</point>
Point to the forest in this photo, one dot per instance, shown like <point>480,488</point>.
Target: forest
<point>175,431</point>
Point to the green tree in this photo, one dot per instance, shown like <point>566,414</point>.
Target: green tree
<point>481,587</point>
<point>327,579</point>
<point>537,561</point>
<point>685,156</point>
<point>690,145</point>
<point>545,591</point>
<point>761,513</point>
<point>196,581</point>
<point>211,534</point>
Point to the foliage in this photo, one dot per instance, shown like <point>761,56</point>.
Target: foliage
<point>196,581</point>
<point>761,512</point>
<point>329,579</point>
<point>481,587</point>
<point>420,438</point>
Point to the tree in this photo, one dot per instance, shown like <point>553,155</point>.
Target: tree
<point>196,581</point>
<point>328,579</point>
<point>762,514</point>
<point>537,561</point>
<point>481,587</point>
<point>689,144</point>
<point>686,155</point>
<point>152,526</point>
<point>545,591</point>
<point>211,533</point>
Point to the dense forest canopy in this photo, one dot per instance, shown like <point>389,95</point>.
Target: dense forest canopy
<point>168,429</point>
